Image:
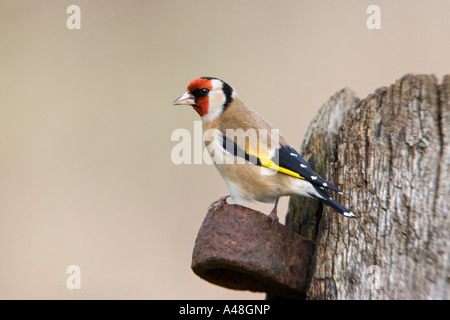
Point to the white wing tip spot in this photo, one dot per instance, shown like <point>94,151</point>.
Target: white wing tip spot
<point>349,214</point>
<point>302,165</point>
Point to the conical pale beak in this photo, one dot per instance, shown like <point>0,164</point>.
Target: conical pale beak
<point>186,99</point>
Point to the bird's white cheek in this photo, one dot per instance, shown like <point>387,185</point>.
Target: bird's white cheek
<point>216,102</point>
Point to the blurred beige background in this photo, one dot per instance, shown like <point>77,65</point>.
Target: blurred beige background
<point>86,176</point>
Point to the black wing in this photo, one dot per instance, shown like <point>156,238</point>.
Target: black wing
<point>290,159</point>
<point>285,158</point>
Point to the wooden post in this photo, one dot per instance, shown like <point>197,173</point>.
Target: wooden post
<point>390,155</point>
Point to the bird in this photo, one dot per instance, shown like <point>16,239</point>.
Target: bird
<point>249,152</point>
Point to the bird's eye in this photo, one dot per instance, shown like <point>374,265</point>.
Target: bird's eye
<point>200,93</point>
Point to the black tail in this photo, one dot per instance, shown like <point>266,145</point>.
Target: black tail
<point>325,198</point>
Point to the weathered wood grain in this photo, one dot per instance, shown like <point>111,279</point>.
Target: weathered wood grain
<point>390,155</point>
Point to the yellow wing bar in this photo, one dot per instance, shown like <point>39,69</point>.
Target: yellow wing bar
<point>266,162</point>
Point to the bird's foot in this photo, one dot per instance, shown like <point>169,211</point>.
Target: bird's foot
<point>273,213</point>
<point>218,203</point>
<point>273,216</point>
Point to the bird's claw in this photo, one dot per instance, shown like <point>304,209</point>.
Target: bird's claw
<point>216,205</point>
<point>273,216</point>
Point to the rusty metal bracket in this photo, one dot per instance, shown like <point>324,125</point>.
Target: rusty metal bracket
<point>240,248</point>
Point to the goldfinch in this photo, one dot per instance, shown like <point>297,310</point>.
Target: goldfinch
<point>251,155</point>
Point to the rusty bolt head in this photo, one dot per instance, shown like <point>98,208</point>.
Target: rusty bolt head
<point>239,248</point>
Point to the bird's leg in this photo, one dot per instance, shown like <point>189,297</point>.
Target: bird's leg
<point>218,203</point>
<point>273,213</point>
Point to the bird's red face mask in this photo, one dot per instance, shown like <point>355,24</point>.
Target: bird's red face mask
<point>197,96</point>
